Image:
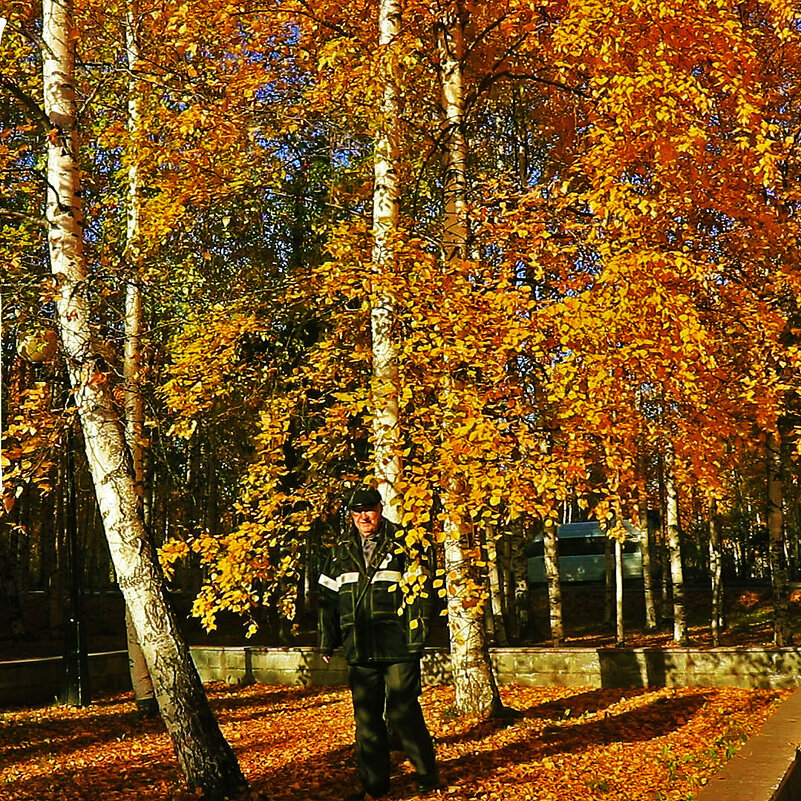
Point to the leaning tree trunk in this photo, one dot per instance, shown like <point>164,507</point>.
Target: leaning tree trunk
<point>206,759</point>
<point>554,580</point>
<point>676,569</point>
<point>782,634</point>
<point>143,690</point>
<point>474,681</point>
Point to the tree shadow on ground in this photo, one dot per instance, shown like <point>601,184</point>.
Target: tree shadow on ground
<point>41,734</point>
<point>68,780</point>
<point>573,706</point>
<point>568,735</point>
<point>32,738</point>
<point>267,697</point>
<point>332,774</point>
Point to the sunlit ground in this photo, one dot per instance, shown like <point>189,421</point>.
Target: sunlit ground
<point>296,744</point>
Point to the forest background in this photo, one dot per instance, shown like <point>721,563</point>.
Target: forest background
<point>515,264</point>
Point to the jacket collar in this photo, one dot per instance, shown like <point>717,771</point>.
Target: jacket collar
<point>383,544</point>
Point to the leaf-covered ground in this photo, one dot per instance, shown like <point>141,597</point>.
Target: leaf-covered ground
<point>296,745</point>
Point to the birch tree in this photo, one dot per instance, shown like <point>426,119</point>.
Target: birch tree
<point>674,550</point>
<point>475,685</point>
<point>144,693</point>
<point>496,585</point>
<point>206,759</point>
<point>385,230</point>
<point>550,545</point>
<point>716,574</point>
<point>619,628</point>
<point>644,542</point>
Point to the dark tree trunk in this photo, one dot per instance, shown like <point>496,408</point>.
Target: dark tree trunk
<point>619,628</point>
<point>782,634</point>
<point>716,575</point>
<point>11,577</point>
<point>551,560</point>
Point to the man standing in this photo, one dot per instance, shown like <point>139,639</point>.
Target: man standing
<point>359,601</point>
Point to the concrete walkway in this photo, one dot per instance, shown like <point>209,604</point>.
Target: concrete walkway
<point>766,768</point>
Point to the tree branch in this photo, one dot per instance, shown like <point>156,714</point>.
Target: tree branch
<point>489,80</point>
<point>18,215</point>
<point>36,111</point>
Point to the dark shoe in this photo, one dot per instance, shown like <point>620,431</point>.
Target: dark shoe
<point>429,784</point>
<point>364,795</point>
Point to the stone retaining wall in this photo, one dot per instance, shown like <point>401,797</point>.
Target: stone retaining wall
<point>536,667</point>
<point>650,667</point>
<point>38,681</point>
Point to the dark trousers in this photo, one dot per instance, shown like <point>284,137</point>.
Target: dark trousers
<point>397,683</point>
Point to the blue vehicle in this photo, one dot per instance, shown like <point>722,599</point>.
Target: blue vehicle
<point>581,554</point>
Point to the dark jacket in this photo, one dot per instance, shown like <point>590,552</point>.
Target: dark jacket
<point>359,606</point>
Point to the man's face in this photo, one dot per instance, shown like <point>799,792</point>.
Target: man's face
<point>367,520</point>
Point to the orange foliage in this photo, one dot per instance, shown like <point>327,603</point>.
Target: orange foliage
<point>30,443</point>
<point>629,294</point>
<point>633,272</point>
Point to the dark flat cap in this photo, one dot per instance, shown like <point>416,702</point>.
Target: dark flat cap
<point>364,499</point>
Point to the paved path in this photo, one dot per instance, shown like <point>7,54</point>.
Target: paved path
<point>765,768</point>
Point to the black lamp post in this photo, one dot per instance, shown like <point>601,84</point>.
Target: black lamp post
<point>75,690</point>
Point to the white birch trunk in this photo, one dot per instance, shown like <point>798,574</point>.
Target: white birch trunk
<point>647,574</point>
<point>475,686</point>
<point>451,49</point>
<point>476,690</point>
<point>134,403</point>
<point>496,593</point>
<point>645,546</point>
<point>143,690</point>
<point>674,549</point>
<point>521,591</point>
<point>206,759</point>
<point>609,583</point>
<point>619,632</point>
<point>385,223</point>
<point>550,553</point>
<point>716,571</point>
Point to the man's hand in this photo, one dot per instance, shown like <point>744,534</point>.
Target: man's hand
<point>326,658</point>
